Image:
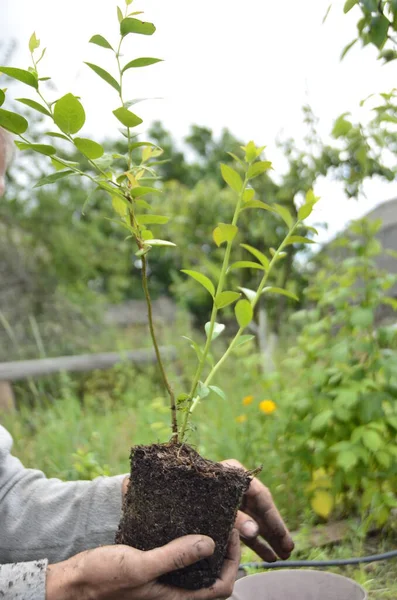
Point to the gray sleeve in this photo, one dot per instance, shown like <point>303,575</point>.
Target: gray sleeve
<point>23,581</point>
<point>49,519</point>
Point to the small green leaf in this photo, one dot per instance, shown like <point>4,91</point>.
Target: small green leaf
<point>35,105</point>
<point>225,298</point>
<point>136,26</point>
<point>224,233</point>
<point>218,391</point>
<point>244,313</point>
<point>99,40</point>
<point>378,30</point>
<point>34,43</point>
<point>246,264</point>
<point>195,347</point>
<point>120,206</point>
<point>59,166</point>
<point>284,214</point>
<point>55,134</point>
<point>203,279</point>
<point>69,114</point>
<point>155,242</point>
<point>248,195</point>
<point>321,421</point>
<point>250,294</point>
<point>53,178</point>
<point>2,97</point>
<point>305,211</point>
<point>152,219</point>
<point>372,440</point>
<point>218,329</point>
<point>349,5</point>
<point>20,75</point>
<point>105,76</point>
<point>232,178</point>
<point>120,15</point>
<point>250,152</point>
<point>347,48</point>
<point>362,317</point>
<point>13,122</point>
<point>298,239</point>
<point>258,204</point>
<point>243,339</point>
<point>347,460</point>
<point>281,291</point>
<point>141,62</point>
<point>258,168</point>
<point>126,117</point>
<point>143,191</point>
<point>40,148</point>
<point>202,390</point>
<point>258,255</point>
<point>89,148</point>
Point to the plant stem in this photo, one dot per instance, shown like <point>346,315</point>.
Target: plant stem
<point>225,265</point>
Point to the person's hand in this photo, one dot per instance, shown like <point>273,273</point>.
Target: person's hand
<point>259,518</point>
<point>124,573</point>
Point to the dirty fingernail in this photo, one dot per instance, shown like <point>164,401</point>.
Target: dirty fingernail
<point>249,529</point>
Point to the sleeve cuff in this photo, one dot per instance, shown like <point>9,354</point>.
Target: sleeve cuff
<point>23,580</point>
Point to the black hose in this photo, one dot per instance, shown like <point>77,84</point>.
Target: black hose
<point>293,564</point>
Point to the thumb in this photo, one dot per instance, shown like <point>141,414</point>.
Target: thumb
<point>180,553</point>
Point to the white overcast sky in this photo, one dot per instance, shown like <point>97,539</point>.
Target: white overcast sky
<point>248,65</point>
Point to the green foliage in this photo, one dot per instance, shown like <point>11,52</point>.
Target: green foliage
<point>342,410</point>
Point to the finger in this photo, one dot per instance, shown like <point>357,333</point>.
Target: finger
<point>261,549</point>
<point>223,587</point>
<point>258,504</point>
<point>247,528</point>
<point>178,554</point>
<point>124,486</point>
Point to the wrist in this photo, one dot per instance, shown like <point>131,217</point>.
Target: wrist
<point>62,581</point>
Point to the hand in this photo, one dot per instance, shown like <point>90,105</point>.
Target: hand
<point>124,573</point>
<point>258,518</point>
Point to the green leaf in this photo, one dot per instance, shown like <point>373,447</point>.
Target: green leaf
<point>298,239</point>
<point>347,460</point>
<point>34,43</point>
<point>13,122</point>
<point>55,134</point>
<point>347,48</point>
<point>105,76</point>
<point>136,26</point>
<point>232,178</point>
<point>277,290</point>
<point>59,166</point>
<point>248,195</point>
<point>155,242</point>
<point>250,294</point>
<point>372,440</point>
<point>89,148</point>
<point>258,204</point>
<point>99,40</point>
<point>218,329</point>
<point>152,219</point>
<point>53,178</point>
<point>250,152</point>
<point>120,15</point>
<point>126,117</point>
<point>244,313</point>
<point>378,30</point>
<point>203,279</point>
<point>362,317</point>
<point>305,211</point>
<point>40,148</point>
<point>218,391</point>
<point>258,168</point>
<point>224,233</point>
<point>69,114</point>
<point>202,390</point>
<point>321,421</point>
<point>20,75</point>
<point>195,347</point>
<point>246,264</point>
<point>284,214</point>
<point>349,5</point>
<point>143,191</point>
<point>259,255</point>
<point>141,62</point>
<point>2,97</point>
<point>341,127</point>
<point>35,105</point>
<point>225,298</point>
<point>243,339</point>
<point>120,206</point>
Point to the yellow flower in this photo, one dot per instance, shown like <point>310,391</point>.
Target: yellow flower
<point>267,406</point>
<point>248,400</point>
<point>241,419</point>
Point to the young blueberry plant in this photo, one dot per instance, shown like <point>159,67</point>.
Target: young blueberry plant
<point>128,188</point>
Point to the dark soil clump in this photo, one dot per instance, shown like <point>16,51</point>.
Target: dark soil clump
<point>176,492</point>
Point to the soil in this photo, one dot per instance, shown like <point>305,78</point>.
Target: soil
<point>176,492</point>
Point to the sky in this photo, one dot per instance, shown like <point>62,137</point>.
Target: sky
<point>247,65</point>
